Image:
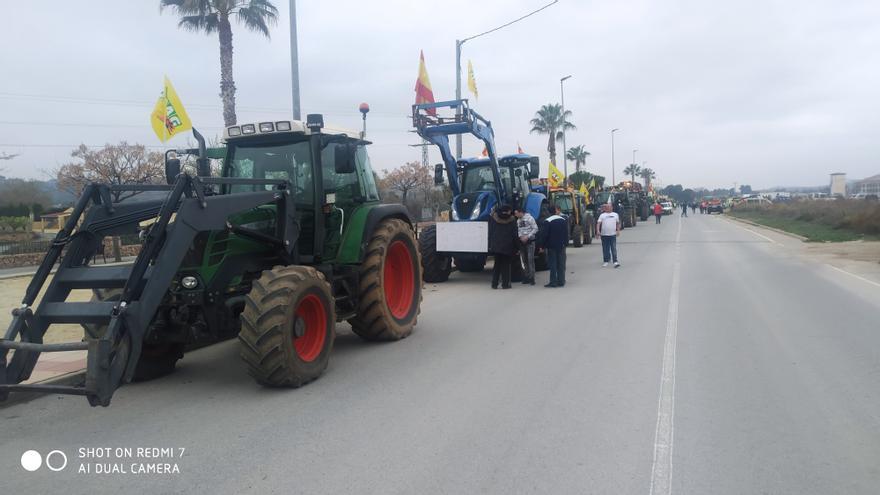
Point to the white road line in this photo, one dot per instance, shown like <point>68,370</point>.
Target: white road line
<point>661,469</point>
<point>752,231</point>
<point>863,279</point>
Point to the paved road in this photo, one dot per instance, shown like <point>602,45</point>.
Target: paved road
<point>712,362</point>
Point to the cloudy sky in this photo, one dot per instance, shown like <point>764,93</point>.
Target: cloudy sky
<point>760,92</point>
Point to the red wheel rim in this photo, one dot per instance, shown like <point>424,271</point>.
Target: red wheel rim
<point>314,318</point>
<point>399,283</point>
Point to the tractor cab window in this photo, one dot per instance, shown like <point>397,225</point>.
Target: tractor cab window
<point>563,201</point>
<point>288,161</point>
<point>346,186</point>
<point>365,170</point>
<point>480,178</point>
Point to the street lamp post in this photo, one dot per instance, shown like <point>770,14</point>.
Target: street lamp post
<point>613,178</point>
<point>294,62</point>
<point>634,164</point>
<point>564,149</point>
<point>458,44</point>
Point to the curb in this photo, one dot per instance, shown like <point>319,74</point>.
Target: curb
<point>74,378</point>
<point>778,231</point>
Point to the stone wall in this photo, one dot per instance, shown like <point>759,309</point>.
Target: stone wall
<point>34,259</point>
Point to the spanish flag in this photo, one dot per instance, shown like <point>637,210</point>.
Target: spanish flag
<point>424,94</point>
<point>555,176</point>
<point>169,117</point>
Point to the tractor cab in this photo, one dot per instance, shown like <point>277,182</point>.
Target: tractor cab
<point>479,192</point>
<point>328,171</point>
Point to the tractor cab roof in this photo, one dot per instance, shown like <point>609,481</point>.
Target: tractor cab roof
<point>283,127</point>
<point>503,161</point>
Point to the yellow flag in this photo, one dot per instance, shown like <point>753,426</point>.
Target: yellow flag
<point>592,184</point>
<point>554,176</point>
<point>169,117</point>
<point>583,189</point>
<point>472,81</point>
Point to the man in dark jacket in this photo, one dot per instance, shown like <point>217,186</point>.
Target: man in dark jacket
<point>555,239</point>
<point>503,245</point>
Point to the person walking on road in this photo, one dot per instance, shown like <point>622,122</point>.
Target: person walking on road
<point>555,239</point>
<point>693,207</point>
<point>658,211</point>
<point>684,209</point>
<point>609,229</point>
<point>502,244</point>
<point>527,230</point>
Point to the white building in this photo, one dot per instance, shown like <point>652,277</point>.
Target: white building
<point>838,184</point>
<point>871,185</point>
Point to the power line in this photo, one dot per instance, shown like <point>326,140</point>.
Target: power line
<point>137,103</point>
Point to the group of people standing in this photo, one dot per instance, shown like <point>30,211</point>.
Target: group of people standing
<point>515,232</point>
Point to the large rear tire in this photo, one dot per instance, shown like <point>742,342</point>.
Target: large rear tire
<point>156,360</point>
<point>390,284</point>
<point>435,267</point>
<point>588,239</point>
<point>577,236</point>
<point>288,326</point>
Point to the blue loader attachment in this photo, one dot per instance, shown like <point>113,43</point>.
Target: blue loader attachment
<point>478,186</point>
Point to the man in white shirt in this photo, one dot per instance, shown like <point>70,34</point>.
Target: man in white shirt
<point>609,229</point>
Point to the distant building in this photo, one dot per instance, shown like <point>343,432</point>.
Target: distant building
<point>871,185</point>
<point>838,184</point>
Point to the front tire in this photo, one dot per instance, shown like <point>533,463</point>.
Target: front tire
<point>435,267</point>
<point>156,359</point>
<point>288,326</point>
<point>390,293</point>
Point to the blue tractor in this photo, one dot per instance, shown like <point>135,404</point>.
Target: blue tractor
<point>478,185</point>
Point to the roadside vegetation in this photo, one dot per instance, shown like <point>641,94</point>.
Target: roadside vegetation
<point>819,221</point>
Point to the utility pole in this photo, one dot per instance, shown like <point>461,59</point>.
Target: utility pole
<point>294,62</point>
<point>613,179</point>
<point>564,149</point>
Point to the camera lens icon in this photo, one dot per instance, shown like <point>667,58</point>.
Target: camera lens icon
<point>31,460</point>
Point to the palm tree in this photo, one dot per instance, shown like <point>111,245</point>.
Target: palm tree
<point>648,175</point>
<point>632,169</point>
<point>579,155</point>
<point>550,120</point>
<point>211,16</point>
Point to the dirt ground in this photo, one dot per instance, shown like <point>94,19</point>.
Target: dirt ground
<point>853,250</point>
<point>11,292</point>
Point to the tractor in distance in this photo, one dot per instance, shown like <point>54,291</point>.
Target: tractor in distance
<point>620,202</point>
<point>287,242</point>
<point>580,219</point>
<point>478,185</point>
<point>638,198</point>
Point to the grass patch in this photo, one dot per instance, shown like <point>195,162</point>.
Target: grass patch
<point>819,221</point>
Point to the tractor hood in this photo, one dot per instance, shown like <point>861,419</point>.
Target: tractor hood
<point>473,206</point>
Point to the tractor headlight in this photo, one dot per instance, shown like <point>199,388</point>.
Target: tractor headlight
<point>248,129</point>
<point>189,282</point>
<point>266,127</point>
<point>234,131</point>
<point>282,126</point>
<point>476,213</point>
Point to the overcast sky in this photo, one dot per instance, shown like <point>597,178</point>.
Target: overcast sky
<point>758,92</point>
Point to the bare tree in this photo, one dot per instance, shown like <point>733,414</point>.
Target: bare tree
<point>121,163</point>
<point>409,178</point>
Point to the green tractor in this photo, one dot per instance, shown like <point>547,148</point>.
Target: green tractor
<point>290,240</point>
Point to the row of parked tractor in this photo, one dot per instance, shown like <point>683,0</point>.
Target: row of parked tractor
<point>290,239</point>
<point>480,184</point>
